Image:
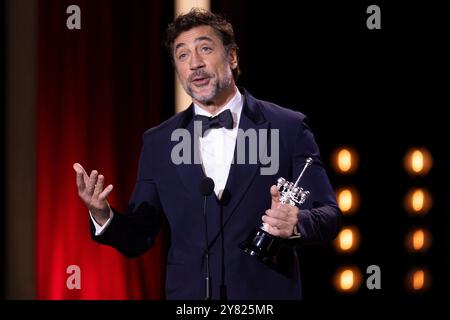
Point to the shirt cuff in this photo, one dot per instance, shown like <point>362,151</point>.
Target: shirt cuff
<point>98,228</point>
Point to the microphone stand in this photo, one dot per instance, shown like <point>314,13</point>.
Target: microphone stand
<point>206,188</point>
<point>207,273</point>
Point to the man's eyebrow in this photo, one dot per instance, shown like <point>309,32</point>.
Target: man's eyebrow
<point>179,46</point>
<point>202,38</point>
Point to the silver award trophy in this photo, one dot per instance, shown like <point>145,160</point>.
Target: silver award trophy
<point>262,244</point>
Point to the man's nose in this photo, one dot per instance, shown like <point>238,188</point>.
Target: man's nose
<point>196,61</point>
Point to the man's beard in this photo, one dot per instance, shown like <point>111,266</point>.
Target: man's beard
<point>217,87</point>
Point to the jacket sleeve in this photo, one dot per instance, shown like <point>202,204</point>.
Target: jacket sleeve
<point>133,232</point>
<point>319,218</point>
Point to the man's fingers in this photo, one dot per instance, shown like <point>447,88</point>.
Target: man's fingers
<point>99,185</point>
<point>105,193</point>
<point>290,217</point>
<point>91,182</point>
<point>279,214</point>
<point>274,231</point>
<point>90,188</point>
<point>81,176</point>
<point>274,222</point>
<point>79,168</point>
<point>283,231</point>
<point>275,196</point>
<point>80,181</point>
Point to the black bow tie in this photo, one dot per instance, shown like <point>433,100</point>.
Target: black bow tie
<point>223,119</point>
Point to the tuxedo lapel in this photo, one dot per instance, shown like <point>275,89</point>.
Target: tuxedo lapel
<point>191,174</point>
<point>241,174</point>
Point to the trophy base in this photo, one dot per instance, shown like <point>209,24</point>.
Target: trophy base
<point>262,245</point>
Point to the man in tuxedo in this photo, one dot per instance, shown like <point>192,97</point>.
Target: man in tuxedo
<point>205,57</point>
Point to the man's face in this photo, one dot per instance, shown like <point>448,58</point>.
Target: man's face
<point>203,65</point>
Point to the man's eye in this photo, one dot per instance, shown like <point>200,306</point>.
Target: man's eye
<point>182,56</point>
<point>206,49</point>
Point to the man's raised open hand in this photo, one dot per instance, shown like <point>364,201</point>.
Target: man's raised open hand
<point>91,191</point>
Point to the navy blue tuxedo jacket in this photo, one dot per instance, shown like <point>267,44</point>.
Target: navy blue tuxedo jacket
<point>168,192</point>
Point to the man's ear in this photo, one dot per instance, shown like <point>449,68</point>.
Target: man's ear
<point>232,58</point>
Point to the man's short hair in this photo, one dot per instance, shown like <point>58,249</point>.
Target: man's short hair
<point>200,17</point>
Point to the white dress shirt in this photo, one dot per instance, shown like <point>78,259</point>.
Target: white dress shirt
<point>216,150</point>
<point>217,145</point>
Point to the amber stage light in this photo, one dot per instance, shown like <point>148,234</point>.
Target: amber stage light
<point>345,160</point>
<point>418,161</point>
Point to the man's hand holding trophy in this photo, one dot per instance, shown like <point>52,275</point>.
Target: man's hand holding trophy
<point>264,244</point>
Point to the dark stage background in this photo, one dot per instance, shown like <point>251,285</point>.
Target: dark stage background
<point>380,91</point>
<point>2,148</point>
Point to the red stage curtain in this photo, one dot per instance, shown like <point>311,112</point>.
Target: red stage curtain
<point>99,88</point>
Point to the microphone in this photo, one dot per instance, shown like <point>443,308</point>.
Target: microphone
<point>206,188</point>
